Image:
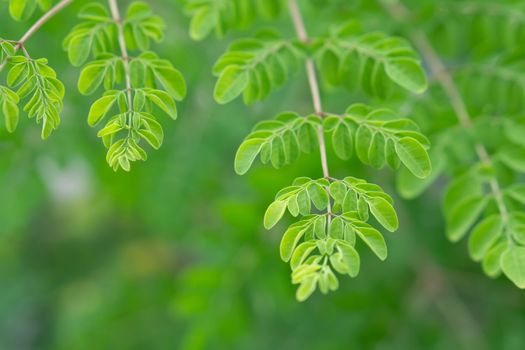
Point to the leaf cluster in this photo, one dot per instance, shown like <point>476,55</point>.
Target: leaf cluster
<point>136,87</point>
<point>320,244</point>
<point>221,16</point>
<point>32,81</point>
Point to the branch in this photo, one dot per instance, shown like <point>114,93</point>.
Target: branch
<point>300,29</point>
<point>122,43</point>
<point>35,27</point>
<point>438,69</point>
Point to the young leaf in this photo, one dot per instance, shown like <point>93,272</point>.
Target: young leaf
<point>231,83</point>
<point>274,213</point>
<point>414,157</point>
<point>407,72</point>
<point>306,288</point>
<point>349,257</point>
<point>291,237</point>
<point>246,154</point>
<point>101,107</point>
<point>484,235</point>
<point>374,240</point>
<point>384,213</point>
<point>463,217</point>
<point>492,261</point>
<point>513,265</point>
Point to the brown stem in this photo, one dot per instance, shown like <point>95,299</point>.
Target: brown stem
<point>312,80</point>
<point>35,27</point>
<point>438,69</point>
<point>122,43</point>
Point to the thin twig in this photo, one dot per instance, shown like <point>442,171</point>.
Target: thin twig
<point>35,27</point>
<point>122,43</point>
<point>312,80</point>
<point>438,69</point>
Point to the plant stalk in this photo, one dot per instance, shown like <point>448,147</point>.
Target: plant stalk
<point>123,49</point>
<point>37,25</point>
<point>438,69</point>
<point>302,34</point>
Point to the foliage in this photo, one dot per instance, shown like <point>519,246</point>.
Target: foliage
<point>255,67</point>
<point>166,250</point>
<point>135,87</point>
<point>221,16</point>
<point>483,197</point>
<point>34,82</point>
<point>140,77</point>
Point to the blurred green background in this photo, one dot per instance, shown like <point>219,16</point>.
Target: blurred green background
<point>173,255</point>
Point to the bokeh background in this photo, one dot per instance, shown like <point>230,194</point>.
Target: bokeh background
<point>173,255</point>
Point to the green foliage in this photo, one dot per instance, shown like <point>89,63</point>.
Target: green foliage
<point>96,35</point>
<point>319,244</point>
<point>23,9</point>
<point>255,67</point>
<point>223,15</point>
<point>455,23</point>
<point>278,141</point>
<point>379,138</point>
<point>135,87</point>
<point>372,61</point>
<point>87,254</point>
<point>501,78</point>
<point>33,81</point>
<point>497,239</point>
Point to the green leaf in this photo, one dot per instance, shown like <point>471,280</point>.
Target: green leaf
<point>306,288</point>
<point>513,265</point>
<point>514,131</point>
<point>290,239</point>
<point>274,213</point>
<point>100,108</point>
<point>342,141</point>
<point>22,9</point>
<point>484,235</point>
<point>414,157</point>
<point>374,240</point>
<point>153,136</point>
<point>514,157</point>
<point>377,150</point>
<point>318,196</point>
<point>90,78</point>
<point>11,112</point>
<point>463,216</point>
<point>363,139</point>
<point>232,82</point>
<point>172,81</point>
<point>94,12</point>
<point>338,191</point>
<point>408,73</point>
<point>491,262</point>
<point>336,228</point>
<point>162,100</point>
<point>202,23</point>
<point>517,192</point>
<point>349,257</point>
<point>384,213</point>
<point>320,227</point>
<point>79,48</point>
<point>246,154</point>
<point>410,186</point>
<point>301,253</point>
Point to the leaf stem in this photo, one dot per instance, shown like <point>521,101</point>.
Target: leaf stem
<point>300,30</point>
<point>36,26</point>
<point>123,49</point>
<point>399,12</point>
